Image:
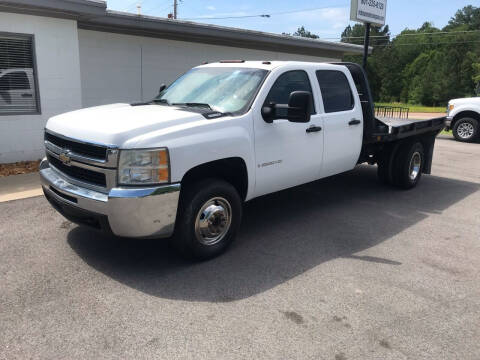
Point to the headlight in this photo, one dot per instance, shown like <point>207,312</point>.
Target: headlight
<point>143,167</point>
<point>450,107</point>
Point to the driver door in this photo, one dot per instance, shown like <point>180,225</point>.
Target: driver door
<point>287,154</point>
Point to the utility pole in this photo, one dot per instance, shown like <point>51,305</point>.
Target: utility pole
<point>139,8</point>
<point>175,3</point>
<point>365,45</point>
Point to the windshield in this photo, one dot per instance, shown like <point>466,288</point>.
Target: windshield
<point>224,89</point>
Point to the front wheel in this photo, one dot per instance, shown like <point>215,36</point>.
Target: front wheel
<point>209,218</point>
<point>466,129</point>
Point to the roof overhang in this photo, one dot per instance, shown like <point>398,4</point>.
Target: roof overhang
<point>94,15</point>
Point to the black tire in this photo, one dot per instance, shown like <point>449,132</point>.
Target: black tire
<point>466,130</point>
<point>187,240</point>
<point>383,168</point>
<point>385,165</point>
<point>406,175</point>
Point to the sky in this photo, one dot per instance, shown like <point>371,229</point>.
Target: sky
<point>326,18</point>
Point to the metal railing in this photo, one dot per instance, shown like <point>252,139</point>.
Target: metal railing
<point>398,112</point>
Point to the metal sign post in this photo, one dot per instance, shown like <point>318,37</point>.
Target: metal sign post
<point>365,45</point>
<point>369,12</point>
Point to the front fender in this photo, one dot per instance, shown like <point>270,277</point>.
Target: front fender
<point>207,141</point>
<point>190,151</point>
<point>463,108</point>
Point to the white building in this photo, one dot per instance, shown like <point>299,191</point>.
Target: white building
<point>61,55</point>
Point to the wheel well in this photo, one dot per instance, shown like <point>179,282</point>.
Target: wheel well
<point>465,114</point>
<point>233,170</point>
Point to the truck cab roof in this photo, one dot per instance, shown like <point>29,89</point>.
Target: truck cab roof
<point>267,64</point>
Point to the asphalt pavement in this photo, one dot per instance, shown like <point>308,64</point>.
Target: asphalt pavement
<point>343,268</point>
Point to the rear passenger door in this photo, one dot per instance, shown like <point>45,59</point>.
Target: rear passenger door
<point>342,121</point>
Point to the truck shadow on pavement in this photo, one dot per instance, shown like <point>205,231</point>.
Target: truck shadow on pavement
<point>282,236</point>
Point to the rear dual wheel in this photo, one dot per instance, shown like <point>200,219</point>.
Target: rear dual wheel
<point>404,168</point>
<point>409,165</point>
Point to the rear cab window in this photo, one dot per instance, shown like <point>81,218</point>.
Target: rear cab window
<point>336,91</point>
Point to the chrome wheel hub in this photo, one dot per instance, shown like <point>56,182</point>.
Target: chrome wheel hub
<point>415,165</point>
<point>213,221</point>
<point>465,130</point>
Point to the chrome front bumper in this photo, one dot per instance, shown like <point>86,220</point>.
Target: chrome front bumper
<point>131,212</point>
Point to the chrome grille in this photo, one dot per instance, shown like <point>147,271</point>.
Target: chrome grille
<point>84,164</point>
<point>82,149</point>
<point>85,175</point>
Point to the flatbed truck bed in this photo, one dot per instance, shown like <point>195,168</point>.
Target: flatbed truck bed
<point>397,128</point>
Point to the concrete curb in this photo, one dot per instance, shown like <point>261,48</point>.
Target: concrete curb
<point>21,195</point>
<point>17,187</point>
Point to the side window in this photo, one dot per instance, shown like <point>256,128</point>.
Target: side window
<point>336,92</point>
<point>296,80</point>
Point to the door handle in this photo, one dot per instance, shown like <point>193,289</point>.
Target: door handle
<point>354,122</point>
<point>27,95</point>
<point>314,128</point>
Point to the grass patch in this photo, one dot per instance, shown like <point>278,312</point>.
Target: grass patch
<point>445,132</point>
<point>417,108</point>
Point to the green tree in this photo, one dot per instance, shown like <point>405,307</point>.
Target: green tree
<point>356,34</point>
<point>468,17</point>
<point>476,77</point>
<point>380,37</point>
<point>302,32</point>
<point>427,65</point>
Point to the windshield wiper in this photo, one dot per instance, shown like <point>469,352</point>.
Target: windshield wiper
<point>161,101</point>
<point>194,104</point>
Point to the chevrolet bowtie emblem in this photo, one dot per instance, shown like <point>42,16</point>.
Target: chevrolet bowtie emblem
<point>64,157</point>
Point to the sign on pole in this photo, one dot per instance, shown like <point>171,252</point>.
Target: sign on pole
<point>369,11</point>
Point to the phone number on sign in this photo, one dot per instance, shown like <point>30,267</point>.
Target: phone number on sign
<point>373,3</point>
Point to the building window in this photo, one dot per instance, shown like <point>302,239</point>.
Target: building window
<point>18,78</point>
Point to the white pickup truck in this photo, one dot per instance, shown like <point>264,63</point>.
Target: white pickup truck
<point>463,118</point>
<point>182,164</point>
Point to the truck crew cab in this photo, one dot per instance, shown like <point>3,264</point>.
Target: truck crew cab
<point>182,164</point>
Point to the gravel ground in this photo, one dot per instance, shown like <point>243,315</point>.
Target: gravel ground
<point>342,268</point>
<point>22,167</point>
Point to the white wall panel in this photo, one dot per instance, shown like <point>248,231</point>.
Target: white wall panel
<point>110,68</point>
<point>58,74</point>
<point>112,63</point>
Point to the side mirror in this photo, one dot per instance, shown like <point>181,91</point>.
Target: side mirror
<point>162,87</point>
<point>268,113</point>
<point>299,105</point>
<point>297,109</point>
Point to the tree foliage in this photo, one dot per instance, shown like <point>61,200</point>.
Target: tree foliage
<point>302,32</point>
<point>425,66</point>
<point>356,34</point>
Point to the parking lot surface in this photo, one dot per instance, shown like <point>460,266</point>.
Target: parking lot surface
<point>343,268</point>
